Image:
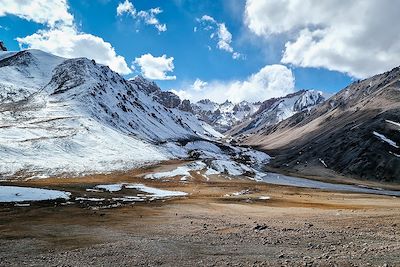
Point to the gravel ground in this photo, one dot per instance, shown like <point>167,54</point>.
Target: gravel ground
<point>210,235</point>
<point>214,226</point>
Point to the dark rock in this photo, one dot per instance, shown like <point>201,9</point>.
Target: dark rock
<point>2,46</point>
<point>260,227</point>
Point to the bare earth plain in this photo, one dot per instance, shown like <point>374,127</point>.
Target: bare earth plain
<point>210,227</point>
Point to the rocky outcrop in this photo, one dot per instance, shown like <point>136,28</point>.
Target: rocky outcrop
<point>2,46</point>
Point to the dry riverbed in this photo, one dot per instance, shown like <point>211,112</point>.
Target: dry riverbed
<point>220,222</point>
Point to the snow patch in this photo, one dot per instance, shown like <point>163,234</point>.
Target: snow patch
<point>110,187</point>
<point>155,192</point>
<point>385,139</point>
<point>93,199</point>
<point>393,122</point>
<point>323,162</point>
<point>20,194</point>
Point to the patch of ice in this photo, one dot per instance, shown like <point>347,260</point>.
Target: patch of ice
<point>93,190</point>
<point>19,194</point>
<point>179,171</point>
<point>323,162</point>
<point>110,187</point>
<point>385,139</point>
<point>89,199</point>
<point>393,122</point>
<point>152,192</point>
<point>264,198</point>
<point>129,199</point>
<point>155,192</point>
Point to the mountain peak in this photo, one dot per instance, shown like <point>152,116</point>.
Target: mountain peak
<point>2,46</point>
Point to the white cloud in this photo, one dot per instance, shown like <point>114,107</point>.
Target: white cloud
<point>61,36</point>
<point>156,68</point>
<point>47,12</point>
<point>270,81</point>
<point>67,42</point>
<point>221,33</point>
<point>224,38</point>
<point>126,7</point>
<point>148,17</point>
<point>208,18</point>
<point>199,85</point>
<point>356,37</point>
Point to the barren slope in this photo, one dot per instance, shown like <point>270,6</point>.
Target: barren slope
<point>355,132</point>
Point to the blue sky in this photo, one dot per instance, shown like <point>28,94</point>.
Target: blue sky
<point>195,54</point>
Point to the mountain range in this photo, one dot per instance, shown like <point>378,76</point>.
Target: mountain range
<point>62,116</point>
<point>355,133</point>
<point>73,115</point>
<point>246,117</point>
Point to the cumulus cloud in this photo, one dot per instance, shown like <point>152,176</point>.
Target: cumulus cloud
<point>355,37</point>
<point>148,17</point>
<point>68,42</point>
<point>44,12</point>
<point>220,32</point>
<point>156,68</point>
<point>61,37</point>
<point>270,81</point>
<point>126,7</point>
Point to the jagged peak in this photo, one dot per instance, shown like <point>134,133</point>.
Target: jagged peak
<point>206,101</point>
<point>227,102</point>
<point>2,46</point>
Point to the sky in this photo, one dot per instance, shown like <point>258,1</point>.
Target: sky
<point>218,49</point>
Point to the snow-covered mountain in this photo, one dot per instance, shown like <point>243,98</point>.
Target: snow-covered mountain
<point>275,110</point>
<point>73,115</point>
<point>166,98</point>
<point>226,115</point>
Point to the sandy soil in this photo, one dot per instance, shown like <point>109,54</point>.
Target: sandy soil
<point>210,227</point>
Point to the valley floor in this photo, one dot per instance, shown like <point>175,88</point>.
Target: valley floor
<point>220,223</point>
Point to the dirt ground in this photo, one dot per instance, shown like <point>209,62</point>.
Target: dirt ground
<point>210,227</point>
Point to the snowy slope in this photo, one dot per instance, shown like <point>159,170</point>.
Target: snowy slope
<point>24,73</point>
<point>99,92</point>
<point>75,116</point>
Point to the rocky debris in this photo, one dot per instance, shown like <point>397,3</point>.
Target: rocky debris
<point>260,227</point>
<point>212,240</point>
